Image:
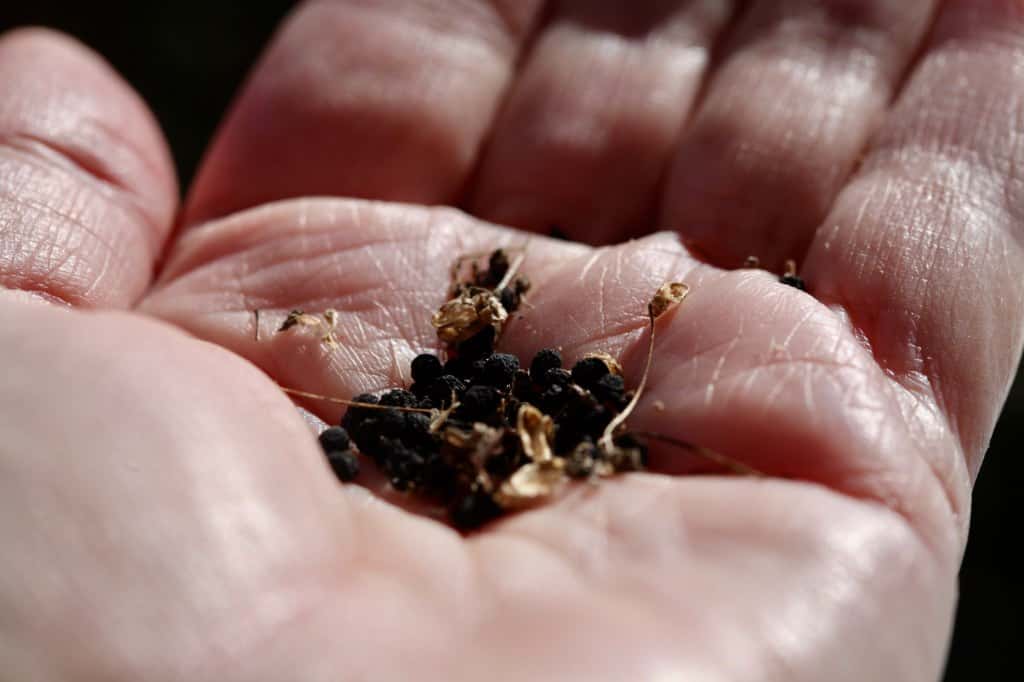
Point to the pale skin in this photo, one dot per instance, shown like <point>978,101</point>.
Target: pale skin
<point>166,513</point>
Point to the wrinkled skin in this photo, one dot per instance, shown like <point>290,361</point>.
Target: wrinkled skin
<point>165,512</point>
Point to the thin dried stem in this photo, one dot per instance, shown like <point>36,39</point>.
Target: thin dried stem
<point>353,403</point>
<point>731,464</point>
<point>668,296</point>
<point>606,442</point>
<point>513,268</point>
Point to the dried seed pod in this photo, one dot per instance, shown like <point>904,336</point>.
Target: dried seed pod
<point>534,429</point>
<point>478,444</point>
<point>334,438</point>
<point>470,312</point>
<point>290,321</point>
<point>326,323</point>
<point>531,483</point>
<point>669,295</point>
<point>344,464</point>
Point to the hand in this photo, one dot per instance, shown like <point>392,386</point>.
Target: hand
<point>167,515</point>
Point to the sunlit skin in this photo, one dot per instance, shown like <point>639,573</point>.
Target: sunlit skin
<point>166,513</point>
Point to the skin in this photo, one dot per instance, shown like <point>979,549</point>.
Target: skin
<point>167,512</point>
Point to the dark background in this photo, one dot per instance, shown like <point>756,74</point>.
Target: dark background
<point>187,58</point>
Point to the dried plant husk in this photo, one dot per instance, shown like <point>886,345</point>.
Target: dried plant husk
<point>299,318</point>
<point>478,443</point>
<point>668,295</point>
<point>531,483</point>
<point>535,429</point>
<point>325,323</point>
<point>469,313</point>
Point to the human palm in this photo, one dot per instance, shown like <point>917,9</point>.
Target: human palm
<point>167,512</point>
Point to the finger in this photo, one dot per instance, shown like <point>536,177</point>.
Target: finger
<point>923,246</point>
<point>368,99</point>
<point>800,89</point>
<point>587,129</point>
<point>87,189</point>
<point>748,367</point>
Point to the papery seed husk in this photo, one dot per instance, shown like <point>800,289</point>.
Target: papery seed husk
<point>531,483</point>
<point>466,315</point>
<point>534,429</point>
<point>670,294</point>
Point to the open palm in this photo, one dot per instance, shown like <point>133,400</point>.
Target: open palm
<point>165,512</point>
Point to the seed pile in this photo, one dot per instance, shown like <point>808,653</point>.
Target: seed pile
<point>480,433</point>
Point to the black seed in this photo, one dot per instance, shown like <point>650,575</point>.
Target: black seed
<point>479,403</point>
<point>588,371</point>
<point>567,437</point>
<point>368,432</point>
<point>439,479</point>
<point>582,415</point>
<point>425,368</point>
<point>610,389</point>
<point>442,388</point>
<point>499,369</point>
<point>366,435</point>
<point>556,377</point>
<point>401,464</point>
<point>594,422</point>
<point>508,459</point>
<point>344,463</point>
<point>355,415</point>
<point>334,439</point>
<point>391,420</point>
<point>510,299</point>
<point>478,346</point>
<point>474,510</point>
<point>459,367</point>
<point>553,398</point>
<point>545,359</point>
<point>399,397</point>
<point>793,281</point>
<point>416,432</point>
<point>522,386</point>
<point>497,268</point>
